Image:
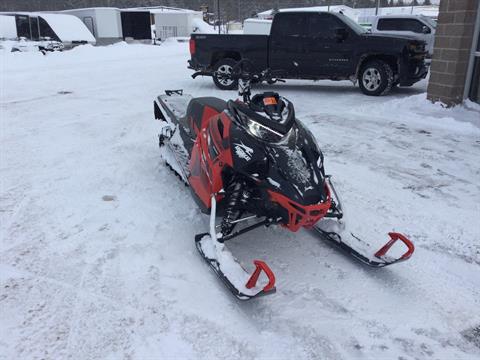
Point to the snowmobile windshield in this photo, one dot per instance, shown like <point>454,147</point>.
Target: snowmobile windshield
<point>268,126</point>
<point>265,133</point>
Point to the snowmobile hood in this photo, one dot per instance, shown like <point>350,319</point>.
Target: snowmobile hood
<point>299,173</point>
<point>292,167</point>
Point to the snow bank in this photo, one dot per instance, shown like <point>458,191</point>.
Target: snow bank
<point>202,26</point>
<point>68,27</point>
<point>417,109</point>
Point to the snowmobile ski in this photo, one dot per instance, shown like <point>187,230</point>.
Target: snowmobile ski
<point>333,230</point>
<point>379,258</point>
<point>228,269</point>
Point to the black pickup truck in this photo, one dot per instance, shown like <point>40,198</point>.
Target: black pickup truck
<point>314,45</point>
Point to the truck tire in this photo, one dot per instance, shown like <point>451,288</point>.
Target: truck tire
<point>223,68</point>
<point>376,78</point>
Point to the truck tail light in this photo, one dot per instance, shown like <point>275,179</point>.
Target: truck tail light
<point>192,46</point>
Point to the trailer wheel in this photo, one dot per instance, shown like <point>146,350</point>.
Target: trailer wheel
<point>376,78</point>
<point>221,76</point>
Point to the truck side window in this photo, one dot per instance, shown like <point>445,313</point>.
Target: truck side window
<point>323,26</point>
<point>401,25</point>
<point>414,25</point>
<point>290,25</point>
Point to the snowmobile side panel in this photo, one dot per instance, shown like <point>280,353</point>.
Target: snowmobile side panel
<point>210,154</point>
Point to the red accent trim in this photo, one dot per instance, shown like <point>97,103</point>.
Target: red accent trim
<point>393,239</point>
<point>205,172</point>
<point>192,46</point>
<point>259,267</point>
<point>302,215</point>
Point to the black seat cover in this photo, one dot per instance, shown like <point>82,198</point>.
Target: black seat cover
<point>197,109</point>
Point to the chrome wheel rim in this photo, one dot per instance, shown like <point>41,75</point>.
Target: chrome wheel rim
<point>371,79</point>
<point>224,73</point>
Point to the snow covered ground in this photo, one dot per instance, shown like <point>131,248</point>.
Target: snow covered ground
<point>97,258</point>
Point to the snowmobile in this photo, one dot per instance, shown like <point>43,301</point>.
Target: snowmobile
<point>250,163</point>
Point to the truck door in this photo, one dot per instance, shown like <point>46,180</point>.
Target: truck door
<point>329,53</point>
<point>289,44</point>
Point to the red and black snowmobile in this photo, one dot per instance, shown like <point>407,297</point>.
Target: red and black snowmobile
<point>251,163</point>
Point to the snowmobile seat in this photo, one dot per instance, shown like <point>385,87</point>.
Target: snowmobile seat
<point>201,109</point>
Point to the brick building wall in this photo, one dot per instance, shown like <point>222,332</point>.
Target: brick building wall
<point>451,55</point>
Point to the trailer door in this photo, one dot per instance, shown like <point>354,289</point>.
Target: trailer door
<point>136,25</point>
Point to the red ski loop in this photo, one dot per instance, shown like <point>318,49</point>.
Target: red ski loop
<point>393,239</point>
<point>261,266</point>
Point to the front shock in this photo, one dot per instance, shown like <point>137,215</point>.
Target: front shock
<point>237,197</point>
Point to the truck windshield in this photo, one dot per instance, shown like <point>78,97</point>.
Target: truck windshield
<point>353,24</point>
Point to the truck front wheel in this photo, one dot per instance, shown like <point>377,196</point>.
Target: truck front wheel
<point>222,74</point>
<point>376,78</point>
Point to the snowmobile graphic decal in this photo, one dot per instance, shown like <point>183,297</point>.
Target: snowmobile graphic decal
<point>243,151</point>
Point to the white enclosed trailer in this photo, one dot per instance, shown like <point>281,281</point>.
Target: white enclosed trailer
<point>35,26</point>
<point>177,23</point>
<point>8,28</point>
<point>103,22</point>
<point>69,30</point>
<point>256,26</point>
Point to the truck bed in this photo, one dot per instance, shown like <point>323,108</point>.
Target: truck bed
<point>209,48</point>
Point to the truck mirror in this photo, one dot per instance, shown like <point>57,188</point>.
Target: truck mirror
<point>426,29</point>
<point>341,34</point>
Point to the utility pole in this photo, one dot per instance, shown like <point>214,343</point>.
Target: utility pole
<point>218,16</point>
<point>376,8</point>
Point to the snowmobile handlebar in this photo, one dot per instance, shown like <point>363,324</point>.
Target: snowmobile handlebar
<point>245,73</point>
<point>245,70</point>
